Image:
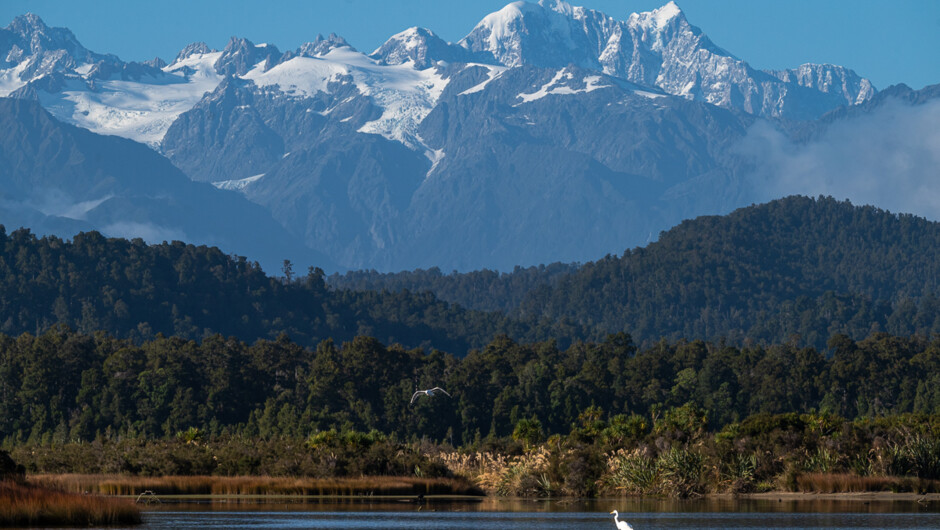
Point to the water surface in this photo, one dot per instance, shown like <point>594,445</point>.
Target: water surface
<point>486,514</point>
<point>541,520</point>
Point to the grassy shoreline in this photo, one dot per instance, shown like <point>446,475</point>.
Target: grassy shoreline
<point>811,486</point>
<point>28,505</point>
<point>122,485</point>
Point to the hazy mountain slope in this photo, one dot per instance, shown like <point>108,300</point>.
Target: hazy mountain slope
<point>78,179</point>
<point>524,175</point>
<point>346,194</point>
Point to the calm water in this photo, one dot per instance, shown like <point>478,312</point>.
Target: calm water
<point>492,514</point>
<point>517,520</point>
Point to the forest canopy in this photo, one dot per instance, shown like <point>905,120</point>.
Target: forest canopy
<point>65,385</point>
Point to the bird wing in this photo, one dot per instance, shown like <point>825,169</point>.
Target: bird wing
<point>415,395</point>
<point>442,390</point>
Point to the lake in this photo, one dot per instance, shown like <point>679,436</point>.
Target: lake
<point>521,514</point>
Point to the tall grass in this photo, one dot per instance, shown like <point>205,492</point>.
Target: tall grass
<point>212,485</point>
<point>918,455</point>
<point>631,473</point>
<point>674,473</point>
<point>524,475</point>
<point>850,483</point>
<point>26,505</point>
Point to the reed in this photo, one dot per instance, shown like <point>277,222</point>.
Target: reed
<point>25,505</point>
<point>678,472</point>
<point>631,473</point>
<point>851,483</point>
<point>259,485</point>
<point>520,475</point>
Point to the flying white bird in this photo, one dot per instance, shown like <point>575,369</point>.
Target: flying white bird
<point>621,525</point>
<point>429,393</point>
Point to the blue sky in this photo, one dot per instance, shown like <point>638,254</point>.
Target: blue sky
<point>887,41</point>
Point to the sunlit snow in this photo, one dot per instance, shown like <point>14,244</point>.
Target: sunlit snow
<point>10,79</point>
<point>237,184</point>
<point>655,19</point>
<point>59,204</point>
<point>435,156</point>
<point>492,73</point>
<point>300,76</point>
<point>140,110</point>
<point>405,94</point>
<point>650,95</point>
<point>554,88</point>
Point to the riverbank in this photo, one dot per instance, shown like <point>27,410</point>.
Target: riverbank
<point>28,505</point>
<point>257,485</point>
<point>861,496</point>
<point>277,489</point>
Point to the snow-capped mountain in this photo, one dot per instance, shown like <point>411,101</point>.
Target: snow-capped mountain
<point>422,47</point>
<point>658,48</point>
<point>550,132</point>
<point>830,79</point>
<point>32,50</point>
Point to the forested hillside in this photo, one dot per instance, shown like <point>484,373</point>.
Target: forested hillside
<point>793,269</point>
<point>796,270</point>
<point>134,290</point>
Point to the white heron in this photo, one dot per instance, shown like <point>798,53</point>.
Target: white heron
<point>430,393</point>
<point>621,525</point>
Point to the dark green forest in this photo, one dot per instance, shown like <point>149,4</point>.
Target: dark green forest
<point>134,290</point>
<point>66,386</point>
<point>797,269</point>
<point>793,269</point>
<point>483,290</point>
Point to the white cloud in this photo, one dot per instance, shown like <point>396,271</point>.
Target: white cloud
<point>149,232</point>
<point>889,158</point>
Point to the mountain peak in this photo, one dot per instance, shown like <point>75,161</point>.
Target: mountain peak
<point>549,33</point>
<point>659,18</point>
<point>43,50</point>
<point>320,46</point>
<point>421,46</point>
<point>558,6</point>
<point>669,10</point>
<point>156,62</point>
<point>26,24</point>
<point>35,37</point>
<point>241,55</point>
<point>497,24</point>
<point>829,79</point>
<point>196,48</point>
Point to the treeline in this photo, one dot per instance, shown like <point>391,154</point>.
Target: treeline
<point>136,291</point>
<point>64,385</point>
<point>483,290</point>
<point>796,268</point>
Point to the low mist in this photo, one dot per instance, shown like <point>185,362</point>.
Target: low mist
<point>889,158</point>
